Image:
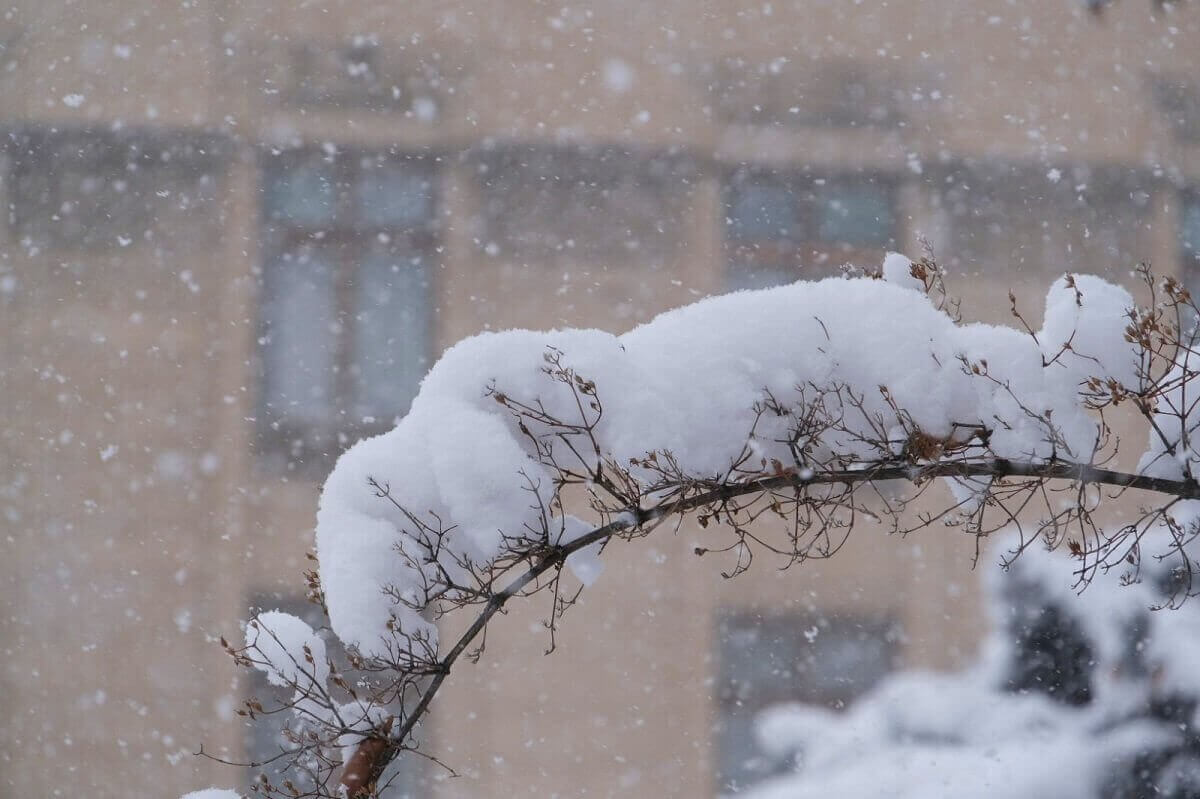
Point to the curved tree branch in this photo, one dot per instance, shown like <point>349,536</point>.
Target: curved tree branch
<point>373,755</point>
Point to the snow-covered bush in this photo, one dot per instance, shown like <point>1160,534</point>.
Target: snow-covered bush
<point>768,415</point>
<point>1090,696</point>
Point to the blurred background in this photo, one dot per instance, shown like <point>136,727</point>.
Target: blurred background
<point>237,233</point>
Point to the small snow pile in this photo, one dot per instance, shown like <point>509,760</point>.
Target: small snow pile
<point>898,269</point>
<point>212,793</point>
<point>1078,696</point>
<point>287,650</point>
<point>456,483</point>
<point>1084,329</point>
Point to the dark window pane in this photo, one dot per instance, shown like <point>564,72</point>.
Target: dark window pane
<point>783,227</point>
<point>762,210</point>
<point>739,759</point>
<point>99,190</point>
<point>1014,218</point>
<point>1189,226</point>
<point>583,205</point>
<point>395,195</point>
<point>303,195</point>
<point>346,308</point>
<point>761,277</point>
<point>858,214</point>
<point>1178,99</point>
<point>768,660</point>
<point>300,337</point>
<point>391,333</point>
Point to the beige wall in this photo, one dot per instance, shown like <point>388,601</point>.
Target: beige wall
<point>121,566</point>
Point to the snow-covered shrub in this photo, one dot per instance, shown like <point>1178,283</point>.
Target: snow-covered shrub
<point>1091,696</point>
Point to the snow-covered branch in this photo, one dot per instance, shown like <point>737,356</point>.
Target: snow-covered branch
<point>778,419</point>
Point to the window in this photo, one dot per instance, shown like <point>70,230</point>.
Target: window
<point>767,660</point>
<point>784,92</point>
<point>1013,217</point>
<point>1178,100</point>
<point>101,190</point>
<point>346,317</point>
<point>574,204</point>
<point>781,227</point>
<point>364,74</point>
<point>265,738</point>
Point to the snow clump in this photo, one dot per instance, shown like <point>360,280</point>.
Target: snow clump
<point>287,650</point>
<point>687,382</point>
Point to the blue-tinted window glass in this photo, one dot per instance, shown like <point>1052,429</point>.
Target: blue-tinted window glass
<point>300,337</point>
<point>391,333</point>
<point>761,277</point>
<point>761,210</point>
<point>769,660</point>
<point>303,195</point>
<point>1189,226</point>
<point>857,214</point>
<point>395,195</point>
<point>346,314</point>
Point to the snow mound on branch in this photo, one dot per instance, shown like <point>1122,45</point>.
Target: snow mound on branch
<point>686,382</point>
<point>287,651</point>
<point>897,269</point>
<point>1085,321</point>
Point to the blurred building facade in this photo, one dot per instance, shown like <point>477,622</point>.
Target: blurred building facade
<point>237,234</point>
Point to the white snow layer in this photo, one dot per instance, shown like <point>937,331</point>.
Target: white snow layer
<point>212,793</point>
<point>288,651</point>
<point>687,382</point>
